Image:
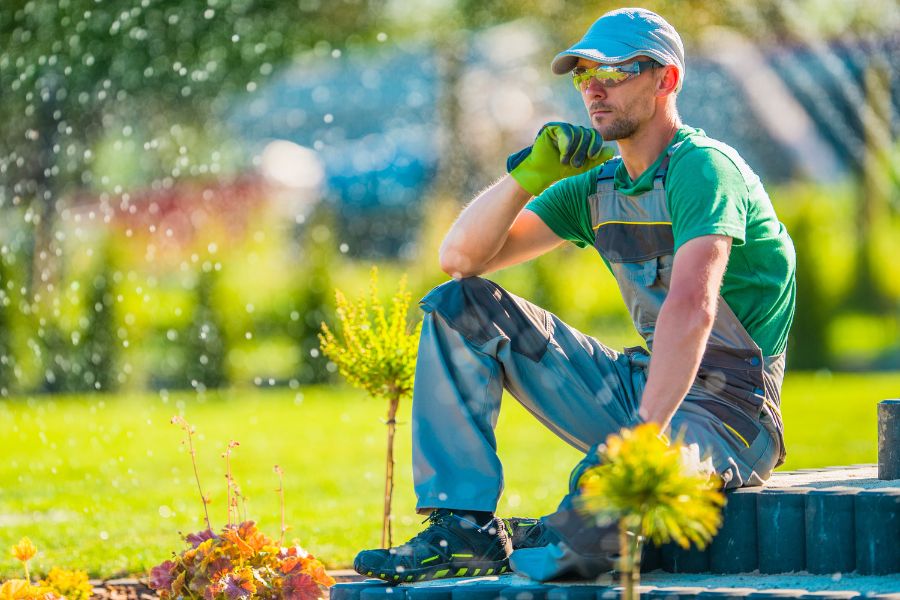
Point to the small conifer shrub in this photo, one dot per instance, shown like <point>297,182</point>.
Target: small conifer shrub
<point>375,349</point>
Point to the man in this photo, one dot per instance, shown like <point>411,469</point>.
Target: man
<point>705,269</point>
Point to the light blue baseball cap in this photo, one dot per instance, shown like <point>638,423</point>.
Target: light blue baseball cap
<point>623,34</point>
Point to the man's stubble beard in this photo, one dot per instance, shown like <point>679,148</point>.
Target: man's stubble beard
<point>619,128</point>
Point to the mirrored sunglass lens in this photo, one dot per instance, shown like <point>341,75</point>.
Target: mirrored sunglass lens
<point>606,76</point>
<point>611,75</point>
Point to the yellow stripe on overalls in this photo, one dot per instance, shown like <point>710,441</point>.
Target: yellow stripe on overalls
<point>632,223</point>
<point>732,430</point>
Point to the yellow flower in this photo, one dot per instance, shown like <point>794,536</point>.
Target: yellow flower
<point>13,589</point>
<point>24,550</point>
<point>20,589</point>
<point>74,585</point>
<point>649,486</point>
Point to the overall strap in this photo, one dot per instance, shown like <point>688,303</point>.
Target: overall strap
<point>608,170</point>
<point>663,169</point>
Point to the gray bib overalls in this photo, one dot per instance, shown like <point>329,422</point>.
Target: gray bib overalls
<point>478,339</point>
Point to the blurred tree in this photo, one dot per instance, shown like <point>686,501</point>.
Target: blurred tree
<point>808,342</point>
<point>312,295</point>
<point>61,372</point>
<point>75,71</point>
<point>206,344</point>
<point>873,200</point>
<point>7,355</point>
<point>100,345</point>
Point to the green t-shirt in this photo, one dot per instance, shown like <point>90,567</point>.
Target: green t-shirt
<point>709,190</point>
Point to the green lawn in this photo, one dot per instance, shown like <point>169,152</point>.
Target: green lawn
<point>104,484</point>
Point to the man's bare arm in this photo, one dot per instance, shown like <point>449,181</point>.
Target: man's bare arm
<point>494,231</point>
<point>684,324</point>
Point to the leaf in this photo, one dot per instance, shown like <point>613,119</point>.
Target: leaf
<point>371,346</point>
<point>162,576</point>
<point>239,585</point>
<point>300,586</point>
<point>195,539</point>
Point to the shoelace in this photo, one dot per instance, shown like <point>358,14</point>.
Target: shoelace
<point>434,518</point>
<point>437,517</point>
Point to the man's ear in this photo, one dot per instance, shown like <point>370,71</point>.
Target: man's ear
<point>667,82</point>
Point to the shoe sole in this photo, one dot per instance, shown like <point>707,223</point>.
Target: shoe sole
<point>442,571</point>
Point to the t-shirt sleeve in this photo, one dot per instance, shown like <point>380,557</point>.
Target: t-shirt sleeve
<point>564,208</point>
<point>707,195</point>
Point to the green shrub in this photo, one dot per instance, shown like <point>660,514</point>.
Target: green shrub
<point>376,351</point>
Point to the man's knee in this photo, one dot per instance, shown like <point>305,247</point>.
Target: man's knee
<point>462,304</point>
<point>481,310</point>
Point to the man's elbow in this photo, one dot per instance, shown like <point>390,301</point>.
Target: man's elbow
<point>457,264</point>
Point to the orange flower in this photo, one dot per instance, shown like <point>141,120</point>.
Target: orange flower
<point>24,550</point>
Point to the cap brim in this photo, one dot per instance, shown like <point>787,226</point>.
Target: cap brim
<point>608,52</point>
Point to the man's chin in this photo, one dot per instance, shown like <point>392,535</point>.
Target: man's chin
<point>613,131</point>
<point>607,133</point>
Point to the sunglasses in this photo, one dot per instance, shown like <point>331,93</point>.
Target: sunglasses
<point>610,75</point>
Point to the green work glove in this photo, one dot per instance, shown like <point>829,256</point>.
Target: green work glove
<point>559,150</point>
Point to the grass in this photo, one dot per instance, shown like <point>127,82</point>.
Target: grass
<point>103,483</point>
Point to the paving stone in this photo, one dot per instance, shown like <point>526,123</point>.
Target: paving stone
<point>616,593</point>
<point>431,592</point>
<point>651,557</point>
<point>385,592</point>
<point>351,591</point>
<point>676,559</point>
<point>877,519</point>
<point>479,591</point>
<point>830,538</point>
<point>526,592</point>
<point>725,593</point>
<point>733,550</point>
<point>780,530</point>
<point>576,592</point>
<point>675,593</point>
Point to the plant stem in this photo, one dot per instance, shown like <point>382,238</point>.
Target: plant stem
<point>190,434</point>
<point>626,563</point>
<point>228,482</point>
<point>281,497</point>
<point>386,525</point>
<point>636,564</point>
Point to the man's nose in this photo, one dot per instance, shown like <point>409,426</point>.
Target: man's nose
<point>594,89</point>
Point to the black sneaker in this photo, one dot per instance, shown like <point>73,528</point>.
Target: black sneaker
<point>451,546</point>
<point>529,533</point>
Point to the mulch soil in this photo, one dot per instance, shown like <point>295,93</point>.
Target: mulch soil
<point>136,589</point>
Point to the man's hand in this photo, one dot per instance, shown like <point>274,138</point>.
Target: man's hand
<point>559,150</point>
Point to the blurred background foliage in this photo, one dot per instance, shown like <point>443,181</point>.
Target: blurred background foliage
<point>183,184</point>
